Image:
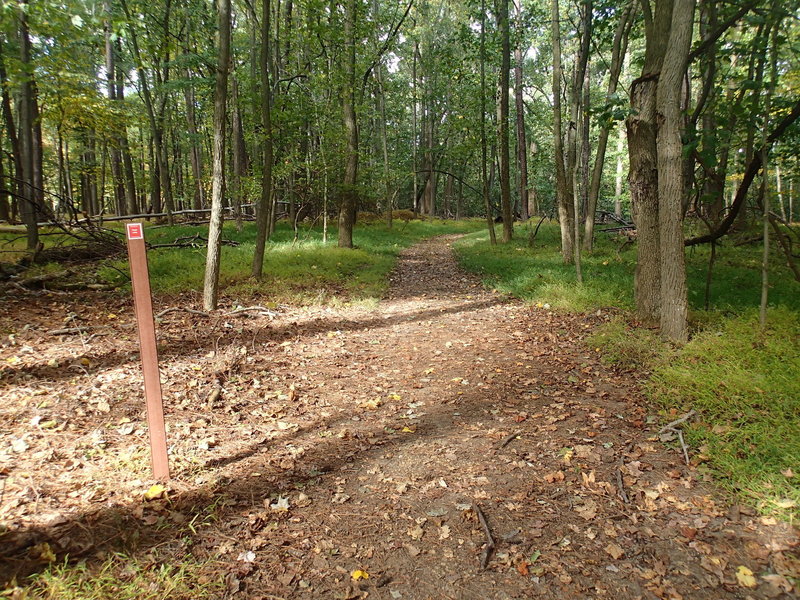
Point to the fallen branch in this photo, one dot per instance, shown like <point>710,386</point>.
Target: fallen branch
<point>682,419</point>
<point>75,330</point>
<point>245,309</point>
<point>40,279</point>
<point>507,440</point>
<point>166,311</point>
<point>683,445</point>
<point>488,549</point>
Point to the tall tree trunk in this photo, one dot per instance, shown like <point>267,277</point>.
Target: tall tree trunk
<point>620,170</point>
<point>384,144</point>
<point>111,87</point>
<point>643,166</point>
<point>487,205</point>
<point>349,196</point>
<point>566,211</point>
<point>195,150</point>
<point>27,148</point>
<point>239,154</point>
<point>159,149</point>
<point>505,160</point>
<point>11,131</point>
<point>265,199</point>
<point>674,303</point>
<point>522,147</point>
<point>618,54</point>
<point>211,281</point>
<point>132,204</point>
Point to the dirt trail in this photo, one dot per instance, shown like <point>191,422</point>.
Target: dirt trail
<point>383,428</point>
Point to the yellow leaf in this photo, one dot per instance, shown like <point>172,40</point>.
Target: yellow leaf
<point>407,430</point>
<point>44,552</point>
<point>156,491</point>
<point>359,574</point>
<point>394,397</point>
<point>112,316</point>
<point>745,577</point>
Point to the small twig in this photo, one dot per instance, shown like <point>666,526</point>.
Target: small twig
<point>683,419</point>
<point>259,309</point>
<point>683,446</point>
<point>507,440</point>
<point>489,547</point>
<point>166,311</point>
<point>75,330</point>
<point>620,485</point>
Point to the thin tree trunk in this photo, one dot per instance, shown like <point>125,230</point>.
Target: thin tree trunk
<point>618,58</point>
<point>505,160</point>
<point>211,281</point>
<point>264,204</point>
<point>25,112</point>
<point>565,207</point>
<point>484,179</point>
<point>349,196</point>
<point>158,142</point>
<point>522,147</point>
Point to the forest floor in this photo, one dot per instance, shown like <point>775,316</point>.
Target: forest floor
<point>346,442</point>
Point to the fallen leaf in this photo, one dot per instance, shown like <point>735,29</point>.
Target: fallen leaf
<point>745,577</point>
<point>615,551</point>
<point>155,492</point>
<point>358,574</point>
<point>554,477</point>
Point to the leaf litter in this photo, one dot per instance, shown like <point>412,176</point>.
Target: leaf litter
<point>342,452</point>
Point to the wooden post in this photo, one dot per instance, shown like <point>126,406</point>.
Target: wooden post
<point>143,304</point>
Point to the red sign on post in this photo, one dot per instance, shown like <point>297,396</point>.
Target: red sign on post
<point>143,303</point>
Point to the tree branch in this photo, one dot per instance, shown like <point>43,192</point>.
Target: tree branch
<point>749,175</point>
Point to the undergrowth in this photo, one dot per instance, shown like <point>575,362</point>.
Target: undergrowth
<point>743,384</point>
<point>306,271</point>
<point>122,577</point>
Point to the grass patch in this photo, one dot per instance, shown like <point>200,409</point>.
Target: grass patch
<point>745,388</point>
<point>122,577</point>
<point>743,384</point>
<point>537,273</point>
<point>304,272</point>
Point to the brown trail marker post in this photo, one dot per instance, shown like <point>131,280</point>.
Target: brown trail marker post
<point>143,303</point>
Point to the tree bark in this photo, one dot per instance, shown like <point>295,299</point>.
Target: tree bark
<point>566,211</point>
<point>643,164</point>
<point>265,200</point>
<point>522,147</point>
<point>349,195</point>
<point>487,205</point>
<point>27,149</point>
<point>505,160</point>
<point>618,52</point>
<point>674,302</point>
<point>211,281</point>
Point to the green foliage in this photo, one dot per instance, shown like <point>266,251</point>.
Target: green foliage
<point>304,272</point>
<point>123,577</point>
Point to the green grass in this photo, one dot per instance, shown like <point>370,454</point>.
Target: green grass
<point>538,273</point>
<point>304,272</point>
<point>123,577</point>
<point>743,384</point>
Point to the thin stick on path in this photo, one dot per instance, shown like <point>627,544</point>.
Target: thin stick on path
<point>507,440</point>
<point>488,549</point>
<point>678,421</point>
